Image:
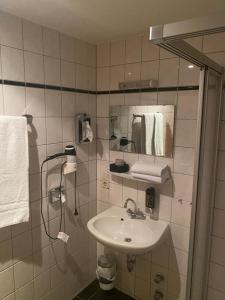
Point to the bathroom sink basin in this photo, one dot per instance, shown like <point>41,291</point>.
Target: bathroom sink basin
<point>114,228</point>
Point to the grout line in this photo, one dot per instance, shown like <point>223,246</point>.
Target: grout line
<point>104,92</point>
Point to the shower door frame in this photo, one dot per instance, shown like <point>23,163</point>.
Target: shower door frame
<point>199,153</point>
<point>170,37</point>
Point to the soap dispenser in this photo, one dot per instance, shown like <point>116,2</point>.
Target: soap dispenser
<point>150,199</point>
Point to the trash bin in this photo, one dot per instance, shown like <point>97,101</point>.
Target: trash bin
<point>106,271</point>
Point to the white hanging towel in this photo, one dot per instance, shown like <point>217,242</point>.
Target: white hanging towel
<point>87,133</point>
<point>14,178</point>
<point>149,130</point>
<point>159,135</point>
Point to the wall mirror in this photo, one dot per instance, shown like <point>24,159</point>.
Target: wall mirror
<point>142,129</point>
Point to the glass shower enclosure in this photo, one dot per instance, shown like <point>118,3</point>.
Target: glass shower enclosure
<point>171,37</point>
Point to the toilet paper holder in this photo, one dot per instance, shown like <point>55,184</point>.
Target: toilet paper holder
<point>80,119</point>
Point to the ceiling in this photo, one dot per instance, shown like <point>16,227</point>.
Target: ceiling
<point>100,20</point>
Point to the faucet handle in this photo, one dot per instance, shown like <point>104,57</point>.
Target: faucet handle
<point>131,213</point>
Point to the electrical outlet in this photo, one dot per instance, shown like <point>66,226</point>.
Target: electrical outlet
<point>105,181</point>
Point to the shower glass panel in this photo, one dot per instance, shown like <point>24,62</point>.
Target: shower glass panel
<point>205,177</point>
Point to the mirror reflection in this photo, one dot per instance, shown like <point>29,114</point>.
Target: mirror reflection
<point>142,129</point>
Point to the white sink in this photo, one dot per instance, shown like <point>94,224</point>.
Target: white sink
<point>114,228</point>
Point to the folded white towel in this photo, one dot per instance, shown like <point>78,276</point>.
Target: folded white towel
<point>154,179</point>
<point>143,167</point>
<point>14,180</point>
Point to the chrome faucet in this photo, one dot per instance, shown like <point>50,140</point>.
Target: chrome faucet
<point>136,213</point>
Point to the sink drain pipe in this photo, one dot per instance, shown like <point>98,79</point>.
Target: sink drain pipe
<point>131,260</point>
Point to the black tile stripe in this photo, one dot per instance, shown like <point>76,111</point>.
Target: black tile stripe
<point>75,90</point>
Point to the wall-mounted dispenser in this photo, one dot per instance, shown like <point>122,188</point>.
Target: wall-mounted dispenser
<point>84,133</point>
<point>150,198</point>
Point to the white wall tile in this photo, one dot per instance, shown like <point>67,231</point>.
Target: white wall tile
<point>184,160</point>
<point>176,285</point>
<point>214,42</point>
<point>222,136</point>
<point>82,77</point>
<point>52,70</point>
<point>133,50</point>
<point>103,55</point>
<point>178,261</point>
<point>34,67</point>
<point>103,79</point>
<point>183,185</point>
<point>116,76</point>
<point>220,190</point>
<point>54,130</point>
<point>41,285</point>
<point>185,135</point>
<point>53,103</point>
<point>35,102</point>
<point>218,224</point>
<point>14,100</point>
<point>180,236</point>
<point>67,74</point>
<point>214,294</point>
<point>91,55</point>
<point>67,47</point>
<point>37,132</point>
<point>188,76</point>
<point>168,72</point>
<point>68,129</point>
<point>11,30</point>
<point>12,64</point>
<point>216,276</point>
<point>132,72</point>
<point>165,207</point>
<point>32,37</point>
<point>92,79</point>
<point>81,52</point>
<point>181,212</point>
<point>115,194</point>
<point>167,98</point>
<point>68,104</point>
<point>6,255</point>
<point>102,105</point>
<point>117,53</point>
<point>150,70</point>
<point>217,250</point>
<point>25,268</point>
<point>7,282</point>
<point>26,292</point>
<point>187,105</point>
<point>36,155</point>
<point>195,42</point>
<point>221,166</point>
<point>51,42</point>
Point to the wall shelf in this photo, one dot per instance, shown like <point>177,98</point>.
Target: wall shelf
<point>130,177</point>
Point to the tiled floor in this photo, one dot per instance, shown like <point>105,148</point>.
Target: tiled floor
<point>93,292</point>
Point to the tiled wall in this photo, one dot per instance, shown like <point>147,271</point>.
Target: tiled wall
<point>135,59</point>
<point>214,46</point>
<point>32,266</point>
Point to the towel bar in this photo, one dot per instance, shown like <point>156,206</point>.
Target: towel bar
<point>29,118</point>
